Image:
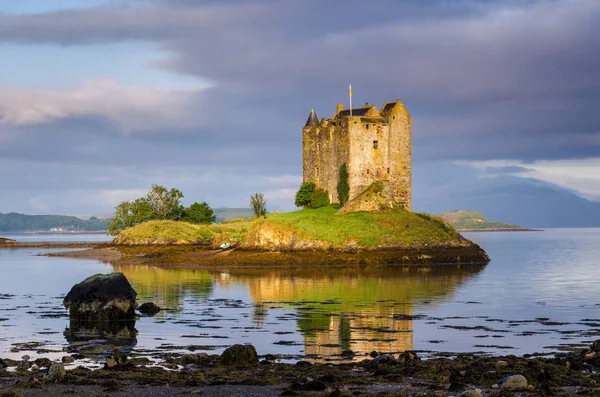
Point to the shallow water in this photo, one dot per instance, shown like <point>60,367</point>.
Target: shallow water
<point>539,294</point>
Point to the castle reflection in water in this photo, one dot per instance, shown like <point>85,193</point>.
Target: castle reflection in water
<point>335,309</point>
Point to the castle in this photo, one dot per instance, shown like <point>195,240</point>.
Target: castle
<point>374,144</point>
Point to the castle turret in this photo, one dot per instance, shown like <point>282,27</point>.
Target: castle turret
<point>313,120</point>
<point>339,108</point>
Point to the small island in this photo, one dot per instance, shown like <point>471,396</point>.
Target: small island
<point>309,237</point>
<point>7,242</point>
<point>473,221</point>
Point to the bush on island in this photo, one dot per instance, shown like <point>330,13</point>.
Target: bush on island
<point>304,194</point>
<point>319,198</point>
<point>159,203</point>
<point>199,213</point>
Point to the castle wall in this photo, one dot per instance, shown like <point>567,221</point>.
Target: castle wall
<point>325,149</point>
<point>401,153</point>
<point>367,163</point>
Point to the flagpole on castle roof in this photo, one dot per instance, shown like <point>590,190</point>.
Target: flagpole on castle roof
<point>350,99</point>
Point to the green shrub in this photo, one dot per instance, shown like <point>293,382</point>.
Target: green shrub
<point>258,203</point>
<point>304,194</point>
<point>319,198</point>
<point>199,213</point>
<point>343,188</point>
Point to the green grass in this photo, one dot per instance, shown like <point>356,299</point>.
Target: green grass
<point>369,229</point>
<point>169,230</point>
<point>236,230</point>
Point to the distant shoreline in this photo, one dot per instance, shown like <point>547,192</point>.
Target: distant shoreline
<point>65,232</point>
<point>499,230</point>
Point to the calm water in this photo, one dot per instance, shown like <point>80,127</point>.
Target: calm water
<point>539,294</point>
<point>58,237</point>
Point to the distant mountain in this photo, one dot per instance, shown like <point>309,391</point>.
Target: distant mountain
<point>473,220</point>
<point>528,202</point>
<point>224,214</point>
<point>14,222</point>
<point>99,215</point>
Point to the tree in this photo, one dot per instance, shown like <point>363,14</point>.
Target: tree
<point>121,219</point>
<point>199,213</point>
<point>319,198</point>
<point>303,195</point>
<point>130,213</point>
<point>165,203</point>
<point>258,203</point>
<point>343,188</point>
<point>142,211</point>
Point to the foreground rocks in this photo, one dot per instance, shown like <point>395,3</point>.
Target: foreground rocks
<point>102,298</point>
<point>405,374</point>
<point>513,383</point>
<point>240,356</point>
<point>56,373</point>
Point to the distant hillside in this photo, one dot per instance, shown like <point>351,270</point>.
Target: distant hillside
<point>14,222</point>
<point>473,220</point>
<point>224,214</point>
<point>521,201</point>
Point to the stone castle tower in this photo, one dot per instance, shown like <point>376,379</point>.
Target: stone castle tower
<point>374,144</point>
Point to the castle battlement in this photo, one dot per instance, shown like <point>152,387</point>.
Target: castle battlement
<point>375,145</point>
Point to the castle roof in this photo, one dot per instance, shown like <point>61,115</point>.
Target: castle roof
<point>313,120</point>
<point>355,112</point>
<point>388,107</point>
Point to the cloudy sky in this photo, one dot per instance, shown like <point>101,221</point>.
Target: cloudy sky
<point>99,99</point>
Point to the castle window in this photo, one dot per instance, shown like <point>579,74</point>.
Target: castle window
<point>367,126</point>
<point>388,170</point>
<point>368,172</point>
<point>375,144</point>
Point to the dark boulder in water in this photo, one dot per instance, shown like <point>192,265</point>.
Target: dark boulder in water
<point>102,297</point>
<point>149,309</point>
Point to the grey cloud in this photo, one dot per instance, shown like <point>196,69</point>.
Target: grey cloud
<point>511,169</point>
<point>482,79</point>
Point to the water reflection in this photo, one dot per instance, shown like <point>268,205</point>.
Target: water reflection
<point>93,339</point>
<point>168,287</point>
<point>362,311</point>
<point>334,310</point>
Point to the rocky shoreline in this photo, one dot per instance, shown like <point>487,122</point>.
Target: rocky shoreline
<point>203,257</point>
<point>240,370</point>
